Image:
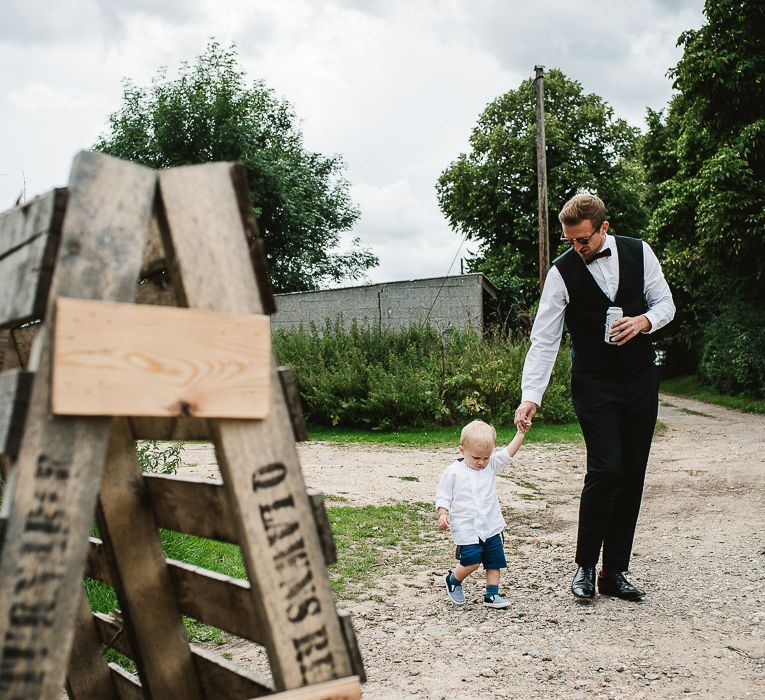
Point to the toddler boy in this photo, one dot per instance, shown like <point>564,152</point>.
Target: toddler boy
<point>467,503</point>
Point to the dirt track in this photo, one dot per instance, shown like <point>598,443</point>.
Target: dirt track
<point>700,554</point>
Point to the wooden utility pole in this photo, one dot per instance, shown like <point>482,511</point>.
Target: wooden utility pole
<point>544,230</point>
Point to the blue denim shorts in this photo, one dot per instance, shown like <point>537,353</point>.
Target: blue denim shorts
<point>490,553</point>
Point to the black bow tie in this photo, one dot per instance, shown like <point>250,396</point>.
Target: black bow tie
<point>606,253</point>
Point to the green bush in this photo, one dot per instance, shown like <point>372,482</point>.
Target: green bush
<point>381,379</point>
<point>733,352</point>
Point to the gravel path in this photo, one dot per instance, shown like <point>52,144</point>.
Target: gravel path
<point>700,554</point>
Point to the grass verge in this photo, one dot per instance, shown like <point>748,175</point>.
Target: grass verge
<point>690,387</point>
<point>369,540</point>
<point>440,436</point>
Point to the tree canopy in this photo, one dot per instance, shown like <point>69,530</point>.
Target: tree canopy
<point>489,194</point>
<point>209,112</point>
<point>705,165</point>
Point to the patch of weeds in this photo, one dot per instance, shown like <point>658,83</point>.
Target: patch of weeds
<point>666,404</point>
<point>227,655</point>
<point>156,459</point>
<point>404,478</point>
<point>691,412</point>
<point>372,537</point>
<point>334,498</point>
<point>660,429</point>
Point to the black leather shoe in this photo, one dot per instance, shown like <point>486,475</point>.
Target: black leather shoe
<point>618,586</point>
<point>583,585</point>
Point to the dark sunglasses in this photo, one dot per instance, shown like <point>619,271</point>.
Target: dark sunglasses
<point>582,240</point>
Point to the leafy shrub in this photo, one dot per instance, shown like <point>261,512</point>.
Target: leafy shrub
<point>159,460</point>
<point>733,352</point>
<point>382,379</point>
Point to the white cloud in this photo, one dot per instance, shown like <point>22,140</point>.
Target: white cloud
<point>394,87</point>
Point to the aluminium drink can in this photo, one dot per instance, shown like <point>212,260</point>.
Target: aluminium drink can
<point>614,313</point>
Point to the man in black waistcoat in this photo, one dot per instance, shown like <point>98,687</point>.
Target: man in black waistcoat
<point>614,387</point>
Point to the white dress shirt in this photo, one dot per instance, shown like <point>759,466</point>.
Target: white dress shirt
<point>470,496</point>
<point>548,324</point>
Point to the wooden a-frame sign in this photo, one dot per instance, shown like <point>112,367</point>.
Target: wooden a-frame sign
<point>85,373</point>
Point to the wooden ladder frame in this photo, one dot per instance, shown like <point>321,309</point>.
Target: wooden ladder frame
<point>115,223</point>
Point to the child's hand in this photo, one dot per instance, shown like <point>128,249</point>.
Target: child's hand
<point>524,426</point>
<point>443,521</point>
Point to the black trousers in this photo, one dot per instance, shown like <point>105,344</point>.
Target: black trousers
<point>617,411</point>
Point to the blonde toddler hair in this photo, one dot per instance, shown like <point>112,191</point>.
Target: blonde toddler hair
<point>479,434</point>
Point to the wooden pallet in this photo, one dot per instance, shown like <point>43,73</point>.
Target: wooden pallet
<point>73,341</point>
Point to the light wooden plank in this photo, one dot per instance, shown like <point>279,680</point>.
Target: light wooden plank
<point>29,237</point>
<point>140,576</point>
<point>131,360</point>
<point>59,463</point>
<point>341,689</point>
<point>88,677</point>
<point>15,388</point>
<point>220,678</point>
<point>292,399</point>
<point>258,459</point>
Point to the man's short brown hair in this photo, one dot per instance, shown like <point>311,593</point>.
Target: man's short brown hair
<point>581,207</point>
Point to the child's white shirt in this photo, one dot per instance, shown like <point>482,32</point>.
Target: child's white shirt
<point>470,496</point>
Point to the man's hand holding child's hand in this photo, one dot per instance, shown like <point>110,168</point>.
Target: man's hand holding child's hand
<point>443,521</point>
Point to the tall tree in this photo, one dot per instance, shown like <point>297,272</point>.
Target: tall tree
<point>489,194</point>
<point>209,112</point>
<point>705,165</point>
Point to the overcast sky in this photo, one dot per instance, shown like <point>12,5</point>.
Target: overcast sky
<point>394,86</point>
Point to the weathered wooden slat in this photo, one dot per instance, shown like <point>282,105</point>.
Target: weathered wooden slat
<point>88,677</point>
<point>216,599</point>
<point>139,574</point>
<point>323,528</point>
<point>212,598</point>
<point>223,679</point>
<point>127,685</point>
<point>292,399</point>
<point>255,242</point>
<point>194,506</point>
<point>29,237</point>
<point>220,678</point>
<point>200,507</point>
<point>341,689</point>
<point>60,460</point>
<point>349,633</point>
<point>139,360</point>
<point>258,459</point>
<point>22,339</point>
<point>15,388</point>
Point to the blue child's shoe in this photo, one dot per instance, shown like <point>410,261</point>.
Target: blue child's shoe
<point>496,601</point>
<point>455,592</point>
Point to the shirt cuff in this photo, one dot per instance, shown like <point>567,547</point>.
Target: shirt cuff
<point>442,503</point>
<point>652,320</point>
<point>535,396</point>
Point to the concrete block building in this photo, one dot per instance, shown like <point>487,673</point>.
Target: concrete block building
<point>461,301</point>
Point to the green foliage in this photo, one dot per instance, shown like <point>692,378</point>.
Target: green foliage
<point>733,358</point>
<point>210,113</point>
<point>490,193</point>
<point>381,379</point>
<point>705,166</point>
<point>156,459</point>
